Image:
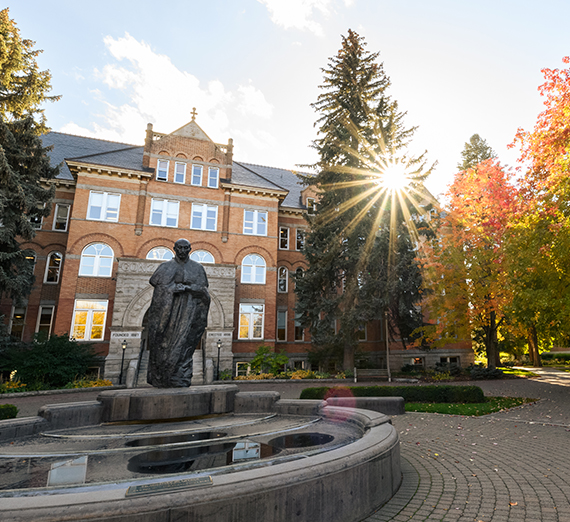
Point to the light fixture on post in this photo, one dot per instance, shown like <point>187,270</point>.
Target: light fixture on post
<point>219,345</point>
<point>387,345</point>
<point>124,347</point>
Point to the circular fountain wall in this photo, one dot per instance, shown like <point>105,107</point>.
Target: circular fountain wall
<point>204,453</point>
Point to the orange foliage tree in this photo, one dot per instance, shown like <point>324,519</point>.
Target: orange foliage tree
<point>466,289</point>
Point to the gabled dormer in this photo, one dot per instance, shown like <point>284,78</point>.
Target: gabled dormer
<point>188,153</point>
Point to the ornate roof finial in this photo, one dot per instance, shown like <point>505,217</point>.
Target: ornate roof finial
<point>194,113</point>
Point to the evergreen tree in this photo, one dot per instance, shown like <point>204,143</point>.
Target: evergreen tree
<point>361,257</point>
<point>23,87</point>
<point>24,165</point>
<point>474,152</point>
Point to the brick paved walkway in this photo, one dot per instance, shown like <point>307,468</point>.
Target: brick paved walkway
<point>506,467</point>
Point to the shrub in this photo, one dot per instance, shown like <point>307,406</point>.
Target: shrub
<point>268,361</point>
<point>436,393</point>
<point>12,386</point>
<point>479,372</point>
<point>409,368</point>
<point>49,363</point>
<point>8,411</point>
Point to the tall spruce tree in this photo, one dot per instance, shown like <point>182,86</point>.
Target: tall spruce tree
<point>360,254</point>
<point>25,197</point>
<point>474,152</point>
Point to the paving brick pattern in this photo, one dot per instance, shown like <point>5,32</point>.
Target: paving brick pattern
<point>508,467</point>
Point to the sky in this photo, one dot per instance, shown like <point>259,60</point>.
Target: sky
<point>252,68</point>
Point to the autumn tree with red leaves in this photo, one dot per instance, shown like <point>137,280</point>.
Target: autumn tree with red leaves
<point>466,287</point>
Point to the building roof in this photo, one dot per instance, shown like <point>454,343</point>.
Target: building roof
<point>121,155</point>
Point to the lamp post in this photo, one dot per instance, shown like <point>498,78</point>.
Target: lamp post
<point>387,345</point>
<point>124,347</point>
<point>219,345</point>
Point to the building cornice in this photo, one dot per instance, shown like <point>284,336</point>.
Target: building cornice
<point>257,191</point>
<point>77,166</point>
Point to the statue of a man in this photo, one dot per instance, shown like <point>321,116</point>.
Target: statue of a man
<point>177,318</point>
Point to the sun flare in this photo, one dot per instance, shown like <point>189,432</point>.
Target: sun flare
<point>394,177</point>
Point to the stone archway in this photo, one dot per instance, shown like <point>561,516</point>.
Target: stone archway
<point>132,300</point>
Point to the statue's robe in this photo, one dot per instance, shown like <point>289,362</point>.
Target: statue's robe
<point>176,322</point>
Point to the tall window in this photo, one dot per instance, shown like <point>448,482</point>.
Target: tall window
<point>103,206</point>
<point>36,222</point>
<point>164,213</point>
<point>31,258</point>
<point>179,172</point>
<point>300,240</point>
<point>162,170</point>
<point>253,269</point>
<point>255,223</point>
<point>281,325</point>
<point>204,217</point>
<point>202,256</point>
<point>283,238</point>
<point>311,206</point>
<point>53,268</point>
<point>299,330</point>
<point>213,177</point>
<point>282,279</point>
<point>299,273</point>
<point>96,260</point>
<point>160,253</point>
<point>61,217</point>
<point>361,332</point>
<point>45,320</point>
<point>89,320</point>
<point>197,175</point>
<point>17,322</point>
<point>251,321</point>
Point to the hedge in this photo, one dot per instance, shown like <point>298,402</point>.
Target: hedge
<point>447,394</point>
<point>8,411</point>
<point>549,356</point>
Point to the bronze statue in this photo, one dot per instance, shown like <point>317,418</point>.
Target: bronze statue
<point>177,318</point>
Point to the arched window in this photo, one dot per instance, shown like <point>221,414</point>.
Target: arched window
<point>53,267</point>
<point>96,260</point>
<point>253,269</point>
<point>202,256</point>
<point>160,253</point>
<point>282,279</point>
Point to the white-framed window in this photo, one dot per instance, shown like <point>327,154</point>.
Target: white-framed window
<point>253,269</point>
<point>32,258</point>
<point>160,253</point>
<point>255,222</point>
<point>202,256</point>
<point>45,320</point>
<point>204,217</point>
<point>213,177</point>
<point>283,238</point>
<point>180,173</point>
<point>299,273</point>
<point>282,279</point>
<point>162,170</point>
<point>311,206</point>
<point>251,321</point>
<point>103,206</point>
<point>61,217</point>
<point>89,318</point>
<point>299,330</point>
<point>164,213</point>
<point>17,322</point>
<point>197,175</point>
<point>36,222</point>
<point>300,239</point>
<point>97,260</point>
<point>281,325</point>
<point>53,267</point>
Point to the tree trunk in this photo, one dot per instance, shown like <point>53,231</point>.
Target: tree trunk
<point>348,357</point>
<point>533,347</point>
<point>491,342</point>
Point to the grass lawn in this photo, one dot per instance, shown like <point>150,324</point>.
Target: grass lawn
<point>518,372</point>
<point>491,405</point>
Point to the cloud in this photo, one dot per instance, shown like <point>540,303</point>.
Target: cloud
<point>140,86</point>
<point>297,14</point>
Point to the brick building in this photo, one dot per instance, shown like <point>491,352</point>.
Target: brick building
<point>118,210</point>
